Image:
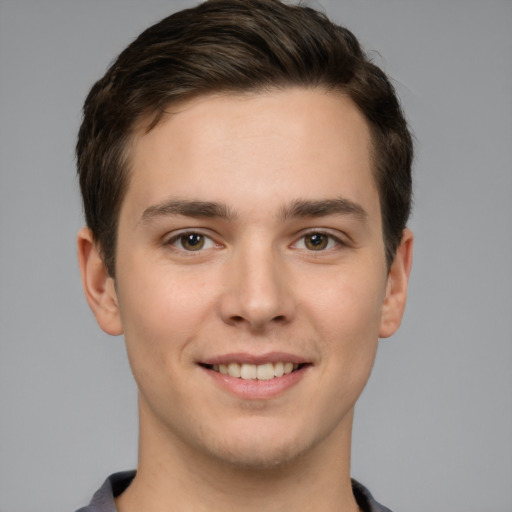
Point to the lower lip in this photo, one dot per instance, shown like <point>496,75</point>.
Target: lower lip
<point>253,389</point>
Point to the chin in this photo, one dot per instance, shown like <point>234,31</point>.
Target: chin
<point>258,458</point>
<point>260,450</point>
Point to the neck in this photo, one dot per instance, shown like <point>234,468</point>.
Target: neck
<point>174,477</point>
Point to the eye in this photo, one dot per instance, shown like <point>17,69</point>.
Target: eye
<point>191,242</point>
<point>317,242</point>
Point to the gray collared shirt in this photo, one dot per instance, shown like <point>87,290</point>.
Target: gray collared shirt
<point>103,499</point>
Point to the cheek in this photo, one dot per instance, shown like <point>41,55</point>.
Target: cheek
<point>348,304</point>
<point>161,321</point>
<point>347,316</point>
<point>161,313</point>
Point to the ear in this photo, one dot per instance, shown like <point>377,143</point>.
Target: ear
<point>98,286</point>
<point>396,287</point>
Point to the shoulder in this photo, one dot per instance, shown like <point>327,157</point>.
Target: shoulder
<point>365,500</point>
<point>103,499</point>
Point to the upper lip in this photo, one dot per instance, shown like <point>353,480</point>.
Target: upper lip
<point>244,357</point>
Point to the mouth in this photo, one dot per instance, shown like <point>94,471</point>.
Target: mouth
<point>248,371</point>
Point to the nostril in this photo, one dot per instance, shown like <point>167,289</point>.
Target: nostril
<point>238,319</point>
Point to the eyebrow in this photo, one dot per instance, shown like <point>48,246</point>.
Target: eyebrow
<point>211,209</point>
<point>322,208</point>
<point>187,208</point>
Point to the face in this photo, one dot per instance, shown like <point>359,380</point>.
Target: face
<point>251,282</point>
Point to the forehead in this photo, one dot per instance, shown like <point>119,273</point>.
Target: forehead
<point>284,145</point>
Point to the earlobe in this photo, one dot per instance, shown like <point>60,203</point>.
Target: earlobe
<point>396,288</point>
<point>98,285</point>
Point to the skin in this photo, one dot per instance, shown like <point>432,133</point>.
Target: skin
<point>257,286</point>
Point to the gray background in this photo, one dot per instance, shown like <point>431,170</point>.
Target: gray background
<point>434,426</point>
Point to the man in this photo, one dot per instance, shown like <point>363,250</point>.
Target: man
<point>245,172</point>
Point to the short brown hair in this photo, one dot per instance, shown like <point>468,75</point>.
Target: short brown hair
<point>234,46</point>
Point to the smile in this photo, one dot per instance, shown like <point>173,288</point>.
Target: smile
<point>247,371</point>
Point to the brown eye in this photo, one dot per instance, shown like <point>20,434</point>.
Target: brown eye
<point>192,241</point>
<point>316,241</point>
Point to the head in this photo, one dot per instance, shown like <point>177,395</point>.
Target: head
<point>207,116</point>
<point>234,46</point>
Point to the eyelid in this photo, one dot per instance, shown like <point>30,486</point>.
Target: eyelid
<point>170,239</point>
<point>339,240</point>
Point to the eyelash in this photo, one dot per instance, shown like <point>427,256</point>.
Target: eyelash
<point>179,238</point>
<point>330,240</point>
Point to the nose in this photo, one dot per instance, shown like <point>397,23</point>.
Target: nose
<point>258,294</point>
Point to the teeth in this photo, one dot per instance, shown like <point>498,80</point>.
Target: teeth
<point>234,370</point>
<point>265,371</point>
<point>247,371</point>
